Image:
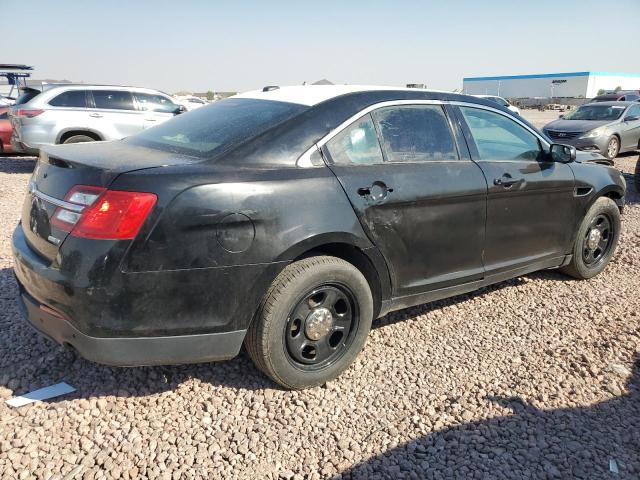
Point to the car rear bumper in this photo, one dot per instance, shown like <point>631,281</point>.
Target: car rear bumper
<point>131,351</point>
<point>145,318</point>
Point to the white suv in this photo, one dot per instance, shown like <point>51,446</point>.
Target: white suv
<point>87,113</point>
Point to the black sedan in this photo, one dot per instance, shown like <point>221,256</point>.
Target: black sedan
<point>290,218</point>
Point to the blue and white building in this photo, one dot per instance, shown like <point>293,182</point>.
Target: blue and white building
<point>567,85</point>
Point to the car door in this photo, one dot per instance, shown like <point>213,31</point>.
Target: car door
<point>113,114</point>
<point>420,202</point>
<point>70,109</point>
<point>530,202</point>
<point>630,129</point>
<point>157,108</point>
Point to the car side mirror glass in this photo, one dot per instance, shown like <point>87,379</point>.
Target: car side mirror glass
<point>631,118</point>
<point>563,153</point>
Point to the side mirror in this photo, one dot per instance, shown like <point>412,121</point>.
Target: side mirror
<point>631,118</point>
<point>563,153</point>
<point>561,116</point>
<point>180,109</point>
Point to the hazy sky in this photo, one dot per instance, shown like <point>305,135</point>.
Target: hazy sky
<point>240,45</point>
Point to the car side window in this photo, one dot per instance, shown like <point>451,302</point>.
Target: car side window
<point>356,145</point>
<point>415,133</point>
<point>113,99</point>
<point>72,98</point>
<point>500,138</point>
<point>633,111</point>
<point>155,103</point>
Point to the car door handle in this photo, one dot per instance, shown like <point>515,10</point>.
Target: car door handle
<point>364,191</point>
<point>506,181</point>
<point>150,119</point>
<point>96,115</point>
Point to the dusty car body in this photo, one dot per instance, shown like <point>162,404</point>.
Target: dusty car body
<point>313,209</point>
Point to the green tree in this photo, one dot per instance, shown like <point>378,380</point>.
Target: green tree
<point>211,95</point>
<point>601,91</point>
<point>618,88</point>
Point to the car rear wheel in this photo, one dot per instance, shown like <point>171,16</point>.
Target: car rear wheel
<point>596,240</point>
<point>613,148</point>
<point>313,322</point>
<point>79,139</point>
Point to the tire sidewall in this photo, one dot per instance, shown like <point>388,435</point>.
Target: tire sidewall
<point>601,206</point>
<point>275,345</point>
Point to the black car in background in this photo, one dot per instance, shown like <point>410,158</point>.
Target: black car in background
<point>289,219</point>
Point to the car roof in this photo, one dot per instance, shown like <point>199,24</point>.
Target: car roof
<point>314,94</point>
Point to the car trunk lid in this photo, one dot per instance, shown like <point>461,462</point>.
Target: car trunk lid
<point>60,168</point>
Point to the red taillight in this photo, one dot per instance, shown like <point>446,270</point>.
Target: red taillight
<point>107,214</point>
<point>116,215</point>
<point>28,112</point>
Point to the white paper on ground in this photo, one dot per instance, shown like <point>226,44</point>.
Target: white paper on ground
<point>41,394</point>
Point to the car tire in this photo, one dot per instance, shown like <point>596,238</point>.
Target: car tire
<point>283,338</point>
<point>79,139</point>
<point>592,252</point>
<point>613,148</point>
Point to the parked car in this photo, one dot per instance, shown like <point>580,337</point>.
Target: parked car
<point>501,101</point>
<point>191,103</point>
<point>5,131</point>
<point>605,127</point>
<point>289,219</point>
<point>630,96</point>
<point>86,113</point>
<point>6,101</point>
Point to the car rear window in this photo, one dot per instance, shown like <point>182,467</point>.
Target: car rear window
<point>26,96</point>
<point>217,127</point>
<point>72,98</point>
<point>113,99</point>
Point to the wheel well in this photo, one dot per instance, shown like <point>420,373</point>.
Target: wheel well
<point>358,259</point>
<point>71,133</point>
<point>616,197</point>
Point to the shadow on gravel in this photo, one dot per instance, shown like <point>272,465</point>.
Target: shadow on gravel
<point>600,441</point>
<point>17,164</point>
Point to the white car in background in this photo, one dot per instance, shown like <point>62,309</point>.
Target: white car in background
<point>191,103</point>
<point>500,101</point>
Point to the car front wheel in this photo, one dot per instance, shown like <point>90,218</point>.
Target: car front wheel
<point>613,148</point>
<point>596,240</point>
<point>312,323</point>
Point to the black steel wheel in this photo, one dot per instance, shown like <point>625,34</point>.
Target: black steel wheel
<point>321,326</point>
<point>313,322</point>
<point>596,240</point>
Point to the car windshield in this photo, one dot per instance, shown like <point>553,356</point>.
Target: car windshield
<point>596,112</point>
<point>216,127</point>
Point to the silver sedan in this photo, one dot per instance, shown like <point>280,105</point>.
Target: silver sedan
<point>609,128</point>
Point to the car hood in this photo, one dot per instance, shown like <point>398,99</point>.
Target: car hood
<point>562,125</point>
<point>592,157</point>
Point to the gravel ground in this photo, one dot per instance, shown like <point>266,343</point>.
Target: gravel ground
<point>537,377</point>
